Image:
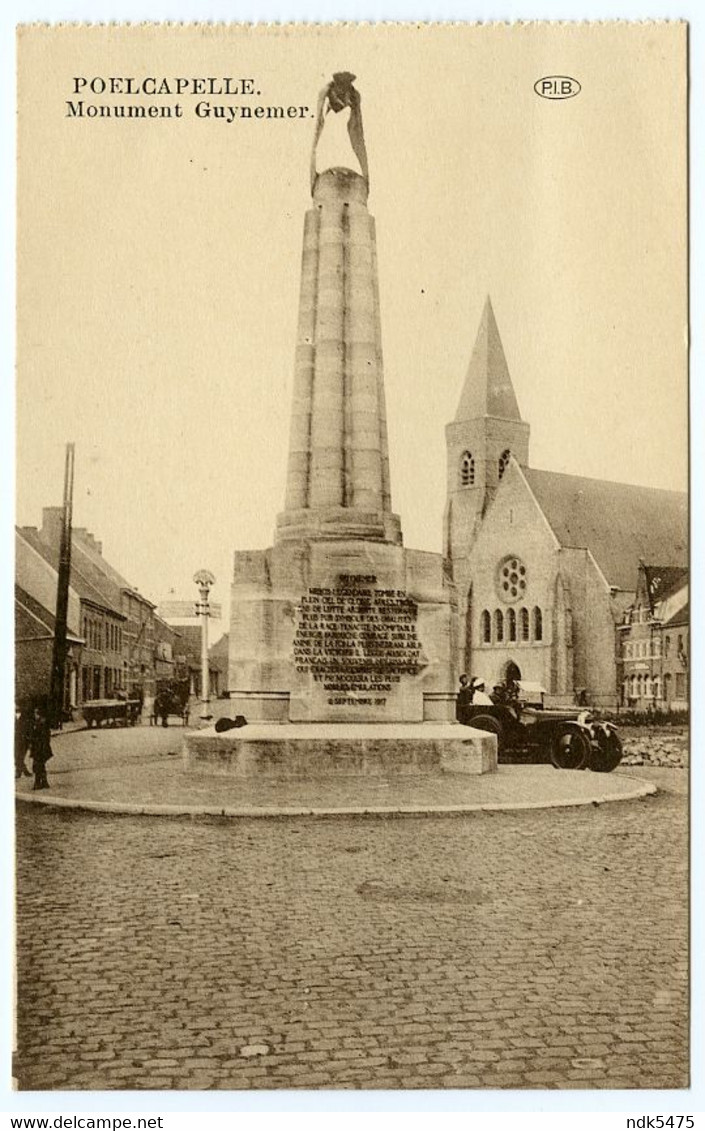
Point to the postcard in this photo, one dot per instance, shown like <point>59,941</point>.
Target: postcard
<point>352,560</point>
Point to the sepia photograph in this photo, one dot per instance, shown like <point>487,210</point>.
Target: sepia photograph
<point>351,555</point>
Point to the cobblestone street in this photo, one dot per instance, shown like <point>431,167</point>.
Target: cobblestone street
<point>508,950</point>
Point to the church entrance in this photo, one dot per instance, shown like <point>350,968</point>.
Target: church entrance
<point>512,672</point>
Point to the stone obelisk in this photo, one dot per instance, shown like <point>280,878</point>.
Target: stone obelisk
<point>339,623</point>
<point>338,472</point>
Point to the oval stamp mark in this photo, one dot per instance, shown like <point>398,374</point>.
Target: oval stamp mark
<point>557,87</point>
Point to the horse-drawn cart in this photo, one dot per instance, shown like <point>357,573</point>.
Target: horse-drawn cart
<point>111,712</point>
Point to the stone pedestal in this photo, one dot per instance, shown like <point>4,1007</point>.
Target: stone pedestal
<point>341,631</point>
<point>310,750</point>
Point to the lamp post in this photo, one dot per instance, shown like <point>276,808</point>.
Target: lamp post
<point>204,580</point>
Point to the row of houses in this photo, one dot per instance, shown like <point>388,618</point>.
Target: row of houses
<point>653,644</point>
<point>118,643</point>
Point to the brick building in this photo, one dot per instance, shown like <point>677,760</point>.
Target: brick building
<point>117,621</point>
<point>96,669</point>
<point>544,564</point>
<point>654,641</point>
<point>36,585</point>
<point>168,663</point>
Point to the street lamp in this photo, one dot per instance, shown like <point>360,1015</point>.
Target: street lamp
<point>204,580</point>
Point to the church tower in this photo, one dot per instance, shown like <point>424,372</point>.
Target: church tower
<point>486,431</point>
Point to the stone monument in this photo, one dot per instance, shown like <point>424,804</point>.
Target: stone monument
<point>340,637</point>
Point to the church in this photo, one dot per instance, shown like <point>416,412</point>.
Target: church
<point>545,565</point>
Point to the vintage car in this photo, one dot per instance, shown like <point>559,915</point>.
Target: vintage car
<point>570,737</point>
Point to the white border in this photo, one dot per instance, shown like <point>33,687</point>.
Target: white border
<point>536,1103</point>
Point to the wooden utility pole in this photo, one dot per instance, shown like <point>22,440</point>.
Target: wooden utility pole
<point>58,664</point>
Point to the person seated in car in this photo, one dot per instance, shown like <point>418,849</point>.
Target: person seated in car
<point>480,698</point>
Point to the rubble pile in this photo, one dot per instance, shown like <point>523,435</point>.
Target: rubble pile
<point>663,746</point>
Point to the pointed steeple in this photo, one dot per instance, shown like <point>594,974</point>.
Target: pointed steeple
<point>488,389</point>
<point>486,432</point>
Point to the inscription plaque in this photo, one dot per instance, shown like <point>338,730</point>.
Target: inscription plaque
<point>357,640</point>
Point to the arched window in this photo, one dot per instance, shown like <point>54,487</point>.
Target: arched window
<point>498,625</point>
<point>638,687</point>
<point>486,627</point>
<point>467,470</point>
<point>538,624</point>
<point>511,624</point>
<point>647,687</point>
<point>656,687</point>
<point>503,461</point>
<point>633,687</point>
<point>667,646</point>
<point>524,622</point>
<point>667,687</point>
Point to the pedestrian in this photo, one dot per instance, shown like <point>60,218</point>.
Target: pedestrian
<point>40,747</point>
<point>161,707</point>
<point>21,743</point>
<point>463,700</point>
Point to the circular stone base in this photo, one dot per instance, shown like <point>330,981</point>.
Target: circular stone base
<point>162,787</point>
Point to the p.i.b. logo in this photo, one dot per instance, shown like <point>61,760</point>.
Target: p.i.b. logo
<point>557,87</point>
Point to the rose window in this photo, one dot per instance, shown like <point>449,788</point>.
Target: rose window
<point>511,579</point>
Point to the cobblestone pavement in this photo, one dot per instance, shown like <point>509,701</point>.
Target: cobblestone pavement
<point>529,949</point>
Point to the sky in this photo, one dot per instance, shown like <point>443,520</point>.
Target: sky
<point>158,270</point>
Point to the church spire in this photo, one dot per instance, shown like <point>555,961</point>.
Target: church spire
<point>488,389</point>
<point>482,439</point>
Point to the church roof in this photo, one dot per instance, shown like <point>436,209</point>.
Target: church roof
<point>663,581</point>
<point>682,617</point>
<point>488,389</point>
<point>618,522</point>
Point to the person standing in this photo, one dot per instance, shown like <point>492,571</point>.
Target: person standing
<point>21,743</point>
<point>463,701</point>
<point>161,707</point>
<point>40,748</point>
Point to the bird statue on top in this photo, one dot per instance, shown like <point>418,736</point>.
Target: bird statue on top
<point>338,95</point>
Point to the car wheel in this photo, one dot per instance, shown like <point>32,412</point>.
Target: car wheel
<point>570,749</point>
<point>490,724</point>
<point>608,754</point>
